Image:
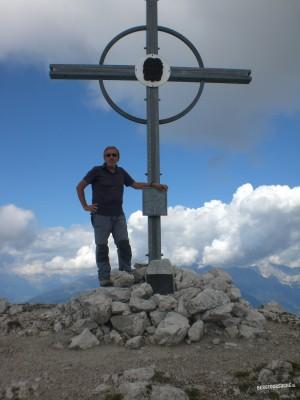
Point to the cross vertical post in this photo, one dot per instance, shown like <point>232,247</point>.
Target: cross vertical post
<point>153,157</point>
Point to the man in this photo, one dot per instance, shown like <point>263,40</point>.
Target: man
<point>107,215</point>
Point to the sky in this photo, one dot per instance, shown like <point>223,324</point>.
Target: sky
<point>231,164</point>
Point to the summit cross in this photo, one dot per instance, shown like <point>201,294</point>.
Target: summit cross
<point>152,71</point>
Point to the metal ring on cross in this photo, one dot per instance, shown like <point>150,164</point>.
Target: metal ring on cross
<point>161,29</point>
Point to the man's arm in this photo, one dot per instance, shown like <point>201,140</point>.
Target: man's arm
<point>80,192</point>
<point>143,185</point>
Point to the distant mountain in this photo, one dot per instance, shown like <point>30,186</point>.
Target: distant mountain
<point>259,290</point>
<point>254,288</point>
<point>15,288</point>
<point>66,291</point>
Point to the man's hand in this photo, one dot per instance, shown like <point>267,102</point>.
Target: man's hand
<point>160,186</point>
<point>91,207</point>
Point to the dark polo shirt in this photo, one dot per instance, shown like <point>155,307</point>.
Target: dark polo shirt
<point>108,188</point>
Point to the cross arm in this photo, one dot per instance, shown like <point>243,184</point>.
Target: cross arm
<point>93,72</point>
<point>213,75</point>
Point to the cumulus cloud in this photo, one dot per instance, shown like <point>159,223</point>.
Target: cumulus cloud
<point>234,34</point>
<point>17,227</point>
<point>260,226</point>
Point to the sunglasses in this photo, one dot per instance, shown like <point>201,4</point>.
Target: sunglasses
<point>111,155</point>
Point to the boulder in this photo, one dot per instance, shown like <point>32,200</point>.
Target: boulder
<point>186,278</point>
<point>84,341</point>
<point>98,306</point>
<point>122,279</point>
<point>205,300</point>
<point>171,330</point>
<point>165,302</point>
<point>132,324</point>
<point>196,331</point>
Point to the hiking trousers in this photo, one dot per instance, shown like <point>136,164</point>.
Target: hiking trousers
<point>104,226</point>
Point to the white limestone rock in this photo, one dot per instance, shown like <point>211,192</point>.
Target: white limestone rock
<point>132,324</point>
<point>139,304</point>
<point>165,302</point>
<point>219,313</point>
<point>206,300</point>
<point>171,330</point>
<point>135,343</point>
<point>186,278</point>
<point>118,307</point>
<point>167,392</point>
<point>139,374</point>
<point>122,279</point>
<point>84,341</point>
<point>196,331</point>
<point>143,291</point>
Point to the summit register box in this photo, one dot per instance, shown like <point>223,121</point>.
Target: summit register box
<point>154,202</point>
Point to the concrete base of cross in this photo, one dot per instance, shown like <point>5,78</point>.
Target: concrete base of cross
<point>160,275</point>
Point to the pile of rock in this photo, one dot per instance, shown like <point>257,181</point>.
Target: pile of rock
<point>275,312</point>
<point>141,384</point>
<point>278,379</point>
<point>129,313</point>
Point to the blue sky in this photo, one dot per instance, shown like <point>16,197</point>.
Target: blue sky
<point>53,132</point>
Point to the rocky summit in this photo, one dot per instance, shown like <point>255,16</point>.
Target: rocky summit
<point>129,313</point>
<point>204,341</point>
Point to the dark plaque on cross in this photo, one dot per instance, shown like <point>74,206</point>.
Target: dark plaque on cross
<point>152,71</point>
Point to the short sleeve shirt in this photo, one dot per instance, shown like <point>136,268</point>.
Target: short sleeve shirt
<point>108,188</point>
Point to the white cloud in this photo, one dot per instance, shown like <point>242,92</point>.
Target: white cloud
<point>17,227</point>
<point>255,34</point>
<point>259,226</point>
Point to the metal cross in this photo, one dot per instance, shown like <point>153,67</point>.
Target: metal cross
<point>152,71</point>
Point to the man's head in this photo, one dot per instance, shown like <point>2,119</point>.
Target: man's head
<point>111,155</point>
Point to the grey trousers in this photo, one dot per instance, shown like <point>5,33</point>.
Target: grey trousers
<point>104,226</point>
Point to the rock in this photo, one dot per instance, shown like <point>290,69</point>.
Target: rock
<point>139,304</point>
<point>196,331</point>
<point>216,341</point>
<point>102,389</point>
<point>3,306</point>
<point>167,392</point>
<point>157,316</point>
<point>219,283</point>
<point>165,302</point>
<point>133,391</point>
<point>171,330</point>
<point>118,294</point>
<point>84,341</point>
<point>98,306</point>
<point>116,338</point>
<point>132,325</point>
<point>81,324</point>
<point>274,307</point>
<point>143,291</point>
<point>205,300</point>
<point>219,313</point>
<point>232,331</point>
<point>139,374</point>
<point>255,318</point>
<point>220,273</point>
<point>15,309</point>
<point>139,273</point>
<point>122,279</point>
<point>117,307</point>
<point>250,332</point>
<point>186,278</point>
<point>233,293</point>
<point>135,343</point>
<point>21,390</point>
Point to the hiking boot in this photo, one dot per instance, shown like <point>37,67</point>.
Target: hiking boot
<point>105,282</point>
